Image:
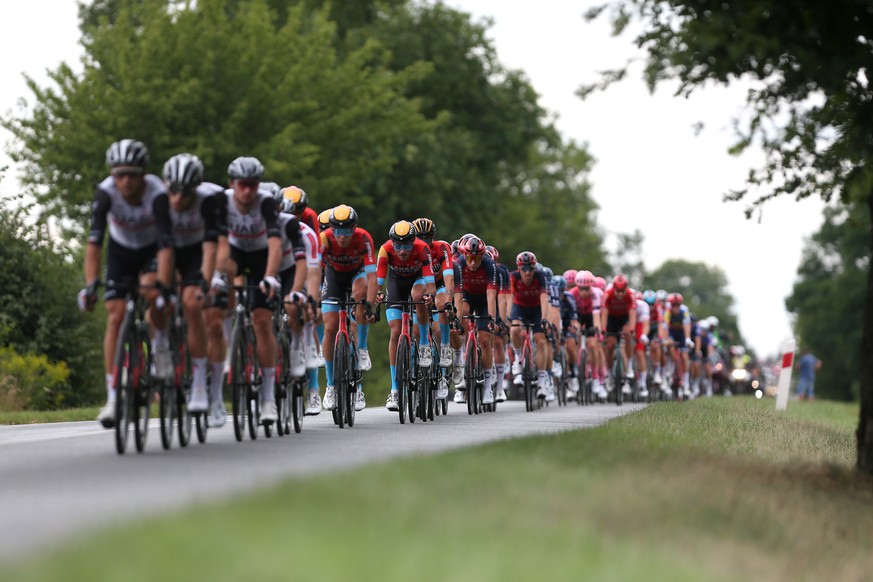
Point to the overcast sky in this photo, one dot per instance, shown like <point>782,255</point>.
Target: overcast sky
<point>652,173</point>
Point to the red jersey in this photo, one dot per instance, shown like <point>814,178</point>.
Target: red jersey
<point>527,295</point>
<point>616,306</point>
<point>415,266</point>
<point>584,305</point>
<point>358,254</point>
<point>440,259</point>
<point>309,217</point>
<point>656,313</point>
<point>475,282</point>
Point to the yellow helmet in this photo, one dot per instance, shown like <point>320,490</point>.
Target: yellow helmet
<point>343,216</point>
<point>324,219</point>
<point>402,232</point>
<point>296,196</point>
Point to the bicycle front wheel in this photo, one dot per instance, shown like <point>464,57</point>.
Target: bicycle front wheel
<point>341,375</point>
<point>143,391</point>
<point>239,379</point>
<point>402,377</point>
<point>125,365</point>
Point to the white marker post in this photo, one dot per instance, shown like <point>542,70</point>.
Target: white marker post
<point>784,386</point>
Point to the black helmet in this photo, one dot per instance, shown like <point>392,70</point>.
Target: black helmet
<point>425,227</point>
<point>127,152</point>
<point>245,168</point>
<point>183,173</point>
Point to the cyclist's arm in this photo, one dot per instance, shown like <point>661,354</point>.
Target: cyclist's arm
<point>94,250</point>
<point>207,266</point>
<point>92,262</point>
<point>604,315</point>
<point>491,294</point>
<point>165,240</point>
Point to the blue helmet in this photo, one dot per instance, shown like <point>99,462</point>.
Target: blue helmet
<point>649,296</point>
<point>559,282</point>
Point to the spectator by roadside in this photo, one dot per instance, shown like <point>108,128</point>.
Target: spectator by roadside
<point>807,366</point>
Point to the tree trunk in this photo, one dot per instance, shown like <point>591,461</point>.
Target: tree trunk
<point>865,422</point>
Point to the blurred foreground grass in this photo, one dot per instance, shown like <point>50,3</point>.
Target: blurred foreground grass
<point>42,416</point>
<point>721,489</point>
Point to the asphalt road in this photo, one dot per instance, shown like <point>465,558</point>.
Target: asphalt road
<point>61,480</point>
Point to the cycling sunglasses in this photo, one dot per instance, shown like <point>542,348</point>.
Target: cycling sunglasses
<point>403,246</point>
<point>343,231</point>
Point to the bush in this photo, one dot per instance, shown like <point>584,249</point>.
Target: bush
<point>31,381</point>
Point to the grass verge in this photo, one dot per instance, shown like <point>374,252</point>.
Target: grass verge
<point>43,416</point>
<point>721,489</point>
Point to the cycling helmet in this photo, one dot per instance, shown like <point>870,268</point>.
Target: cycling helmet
<point>559,282</point>
<point>638,295</point>
<point>493,252</point>
<point>127,152</point>
<point>713,321</point>
<point>456,246</point>
<point>600,283</point>
<point>425,227</point>
<point>526,259</point>
<point>671,298</point>
<point>649,296</point>
<point>585,279</point>
<point>703,324</point>
<point>473,246</point>
<point>245,168</point>
<point>402,231</point>
<point>548,273</point>
<point>271,188</point>
<point>297,197</point>
<point>570,276</point>
<point>661,295</point>
<point>183,173</point>
<point>619,282</point>
<point>343,216</point>
<point>677,298</point>
<point>324,219</point>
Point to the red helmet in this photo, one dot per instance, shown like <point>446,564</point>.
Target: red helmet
<point>472,245</point>
<point>677,298</point>
<point>493,252</point>
<point>619,282</point>
<point>600,283</point>
<point>526,259</point>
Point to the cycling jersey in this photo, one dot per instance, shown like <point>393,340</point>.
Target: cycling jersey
<point>554,292</point>
<point>584,303</point>
<point>504,286</point>
<point>248,232</point>
<point>677,321</point>
<point>568,312</point>
<point>528,295</point>
<point>312,245</point>
<point>440,261</point>
<point>619,307</point>
<point>476,282</point>
<point>200,222</point>
<point>359,253</point>
<point>309,217</point>
<point>293,247</point>
<point>132,227</point>
<point>416,265</point>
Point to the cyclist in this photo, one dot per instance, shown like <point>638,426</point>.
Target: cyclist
<point>134,207</point>
<point>404,262</point>
<point>678,322</point>
<point>504,309</point>
<point>588,317</point>
<point>350,266</point>
<point>194,216</point>
<point>444,281</point>
<point>618,314</point>
<point>302,211</point>
<point>254,249</point>
<point>530,299</point>
<point>570,333</point>
<point>476,294</point>
<point>642,342</point>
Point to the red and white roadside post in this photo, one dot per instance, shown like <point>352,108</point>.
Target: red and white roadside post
<point>784,386</point>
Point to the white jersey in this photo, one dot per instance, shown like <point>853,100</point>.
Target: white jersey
<point>249,232</point>
<point>199,222</point>
<point>293,247</point>
<point>133,227</point>
<point>312,244</point>
<point>596,298</point>
<point>642,311</point>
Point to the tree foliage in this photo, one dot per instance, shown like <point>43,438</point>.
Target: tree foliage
<point>829,295</point>
<point>810,108</point>
<point>704,289</point>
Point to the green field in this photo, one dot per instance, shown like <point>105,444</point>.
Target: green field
<point>36,416</point>
<point>720,489</point>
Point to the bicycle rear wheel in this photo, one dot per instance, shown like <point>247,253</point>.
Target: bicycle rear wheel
<point>527,381</point>
<point>470,377</point>
<point>283,384</point>
<point>618,375</point>
<point>298,388</point>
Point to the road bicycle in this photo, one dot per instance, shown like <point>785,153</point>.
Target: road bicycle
<point>529,369</point>
<point>132,371</point>
<point>346,375</point>
<point>474,375</point>
<point>290,389</point>
<point>244,375</point>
